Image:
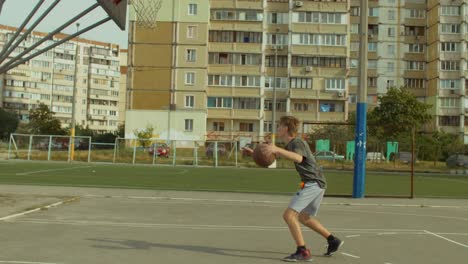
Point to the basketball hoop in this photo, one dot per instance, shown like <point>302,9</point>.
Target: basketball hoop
<point>146,12</point>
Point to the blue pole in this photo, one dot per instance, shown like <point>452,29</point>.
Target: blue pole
<point>359,179</point>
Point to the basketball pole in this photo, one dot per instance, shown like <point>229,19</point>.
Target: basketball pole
<point>359,177</point>
<point>75,81</point>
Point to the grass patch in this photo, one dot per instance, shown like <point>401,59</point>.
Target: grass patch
<point>274,181</point>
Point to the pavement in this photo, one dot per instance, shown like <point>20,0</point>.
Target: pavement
<point>49,225</point>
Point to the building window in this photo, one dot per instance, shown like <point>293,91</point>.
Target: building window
<point>416,48</point>
<point>191,32</point>
<point>372,46</point>
<point>449,102</point>
<point>188,124</point>
<point>416,13</point>
<point>450,28</point>
<point>301,83</point>
<point>219,102</point>
<point>414,83</point>
<point>391,14</point>
<point>449,46</point>
<point>189,101</point>
<point>190,78</point>
<point>391,49</point>
<point>335,84</point>
<point>246,127</point>
<point>415,65</point>
<point>218,126</point>
<point>449,84</point>
<point>267,125</point>
<point>391,32</point>
<point>246,103</point>
<point>450,65</point>
<point>301,107</point>
<point>371,81</point>
<point>192,9</point>
<point>449,120</point>
<point>278,18</point>
<point>373,11</point>
<point>450,10</point>
<point>191,55</point>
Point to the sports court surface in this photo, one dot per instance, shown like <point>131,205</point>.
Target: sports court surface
<point>91,225</point>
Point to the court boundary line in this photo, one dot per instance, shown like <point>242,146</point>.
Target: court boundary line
<point>25,262</point>
<point>38,209</point>
<point>444,238</point>
<point>60,169</point>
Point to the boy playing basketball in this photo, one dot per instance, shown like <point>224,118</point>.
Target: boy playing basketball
<point>305,204</point>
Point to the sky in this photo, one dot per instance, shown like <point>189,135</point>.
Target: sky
<point>14,12</point>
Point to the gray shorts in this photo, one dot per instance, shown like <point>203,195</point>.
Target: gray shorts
<point>307,199</point>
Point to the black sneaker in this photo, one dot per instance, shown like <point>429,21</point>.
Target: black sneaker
<point>300,255</point>
<point>333,246</point>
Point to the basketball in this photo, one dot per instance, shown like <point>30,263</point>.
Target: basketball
<point>262,157</point>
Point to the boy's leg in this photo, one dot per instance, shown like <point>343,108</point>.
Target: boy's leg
<point>291,218</point>
<point>313,224</point>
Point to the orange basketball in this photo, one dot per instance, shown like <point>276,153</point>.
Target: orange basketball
<point>262,157</point>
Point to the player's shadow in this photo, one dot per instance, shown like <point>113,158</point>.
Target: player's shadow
<point>142,245</point>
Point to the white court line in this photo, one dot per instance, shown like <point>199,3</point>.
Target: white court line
<point>39,171</point>
<point>203,227</point>
<point>386,233</point>
<point>353,236</point>
<point>37,209</point>
<point>449,240</point>
<point>349,255</point>
<point>272,202</point>
<point>25,262</point>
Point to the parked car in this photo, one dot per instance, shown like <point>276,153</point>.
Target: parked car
<point>405,157</point>
<point>159,149</point>
<point>328,155</point>
<point>375,156</point>
<point>210,150</point>
<point>457,160</point>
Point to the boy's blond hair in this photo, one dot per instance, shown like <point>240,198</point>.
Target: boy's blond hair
<point>291,123</point>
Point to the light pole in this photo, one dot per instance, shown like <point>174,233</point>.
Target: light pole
<point>273,123</point>
<point>75,77</point>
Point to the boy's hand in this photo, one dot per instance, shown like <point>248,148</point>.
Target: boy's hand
<point>247,151</point>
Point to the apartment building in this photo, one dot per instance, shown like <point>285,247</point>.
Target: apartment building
<point>51,77</point>
<point>212,70</point>
<point>447,69</point>
<point>396,48</point>
<point>420,45</point>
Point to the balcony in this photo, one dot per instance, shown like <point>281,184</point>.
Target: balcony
<point>322,50</point>
<point>235,47</point>
<point>318,71</point>
<point>332,116</point>
<point>234,69</point>
<point>236,25</point>
<point>409,56</point>
<point>418,22</point>
<point>319,28</point>
<point>248,114</point>
<point>449,111</point>
<point>414,74</point>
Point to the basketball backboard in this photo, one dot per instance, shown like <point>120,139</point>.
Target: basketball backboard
<point>1,4</point>
<point>117,10</point>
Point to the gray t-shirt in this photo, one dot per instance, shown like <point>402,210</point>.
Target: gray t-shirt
<point>308,168</point>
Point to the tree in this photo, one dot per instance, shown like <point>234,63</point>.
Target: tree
<point>43,122</point>
<point>337,134</point>
<point>143,135</point>
<point>399,112</point>
<point>121,131</point>
<point>9,123</point>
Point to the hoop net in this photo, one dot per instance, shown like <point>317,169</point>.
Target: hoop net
<point>146,12</point>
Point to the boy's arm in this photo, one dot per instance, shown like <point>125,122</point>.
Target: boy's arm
<point>287,154</point>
